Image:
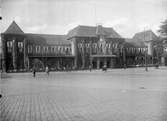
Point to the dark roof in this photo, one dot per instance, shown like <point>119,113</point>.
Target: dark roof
<point>145,36</point>
<point>13,29</point>
<point>92,31</point>
<point>140,38</point>
<point>47,39</point>
<point>134,43</point>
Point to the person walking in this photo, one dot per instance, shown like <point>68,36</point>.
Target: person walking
<point>90,68</point>
<point>124,66</point>
<point>47,70</point>
<point>104,68</point>
<point>34,71</point>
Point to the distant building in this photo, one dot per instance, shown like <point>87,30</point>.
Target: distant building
<point>22,50</point>
<point>164,51</point>
<point>97,46</point>
<point>82,47</point>
<point>146,44</point>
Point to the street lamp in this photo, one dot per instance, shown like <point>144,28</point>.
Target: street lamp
<point>124,56</point>
<point>146,68</point>
<point>146,51</point>
<point>0,60</point>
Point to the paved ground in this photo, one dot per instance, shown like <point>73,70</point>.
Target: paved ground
<point>116,95</point>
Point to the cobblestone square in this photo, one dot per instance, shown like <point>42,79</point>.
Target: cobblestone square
<point>115,95</point>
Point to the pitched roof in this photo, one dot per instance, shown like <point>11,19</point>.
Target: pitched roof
<point>92,31</point>
<point>145,36</point>
<point>134,43</point>
<point>141,37</point>
<point>48,39</point>
<point>13,29</point>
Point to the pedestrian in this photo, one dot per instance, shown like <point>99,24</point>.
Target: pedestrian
<point>34,71</point>
<point>124,66</point>
<point>157,65</point>
<point>90,68</point>
<point>47,70</point>
<point>0,95</point>
<point>104,68</point>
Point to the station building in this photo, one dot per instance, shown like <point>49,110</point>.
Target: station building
<point>82,47</point>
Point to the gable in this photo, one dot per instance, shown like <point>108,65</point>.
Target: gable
<point>13,29</point>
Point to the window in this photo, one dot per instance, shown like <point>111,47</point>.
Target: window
<point>30,49</point>
<point>38,49</point>
<point>20,46</point>
<point>79,45</point>
<point>64,50</point>
<point>9,46</point>
<point>59,49</point>
<point>52,49</point>
<point>46,49</point>
<point>55,49</point>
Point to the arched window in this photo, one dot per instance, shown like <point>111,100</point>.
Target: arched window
<point>39,49</point>
<point>36,49</point>
<point>55,49</point>
<point>52,49</point>
<point>30,49</point>
<point>60,49</point>
<point>43,49</point>
<point>67,50</point>
<point>9,46</point>
<point>47,49</point>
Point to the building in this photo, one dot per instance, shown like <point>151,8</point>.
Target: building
<point>22,51</point>
<point>96,46</point>
<point>82,47</point>
<point>147,49</point>
<point>164,51</point>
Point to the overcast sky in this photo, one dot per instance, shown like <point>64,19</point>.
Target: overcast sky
<point>59,16</point>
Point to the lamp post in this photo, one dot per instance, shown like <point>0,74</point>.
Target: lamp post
<point>156,56</point>
<point>146,68</point>
<point>157,64</point>
<point>1,62</point>
<point>124,56</point>
<point>145,54</point>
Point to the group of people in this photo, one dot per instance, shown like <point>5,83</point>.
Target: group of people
<point>34,70</point>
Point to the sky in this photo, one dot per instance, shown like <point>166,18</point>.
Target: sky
<point>127,17</point>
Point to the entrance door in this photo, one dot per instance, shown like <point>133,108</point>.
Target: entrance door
<point>101,64</point>
<point>94,63</point>
<point>108,64</point>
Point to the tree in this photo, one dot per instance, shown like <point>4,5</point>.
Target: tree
<point>163,28</point>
